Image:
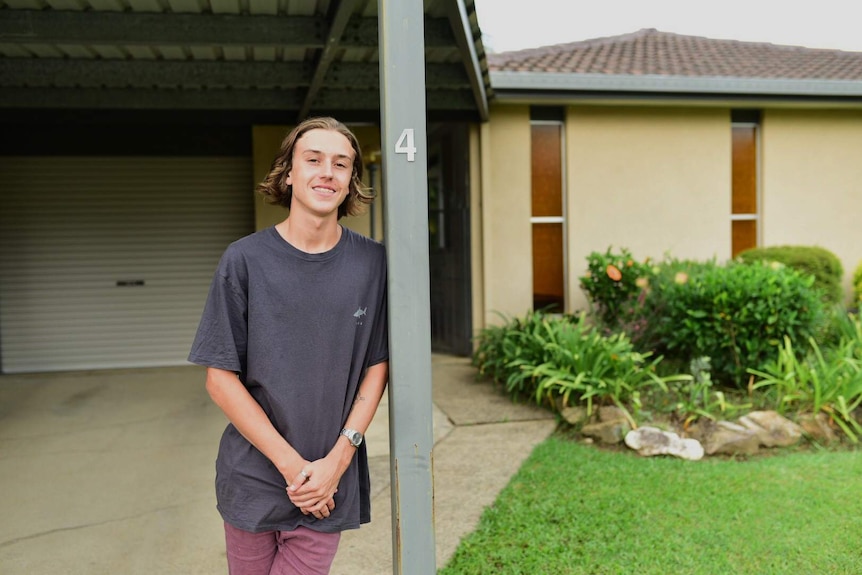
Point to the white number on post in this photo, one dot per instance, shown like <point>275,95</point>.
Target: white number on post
<point>406,145</point>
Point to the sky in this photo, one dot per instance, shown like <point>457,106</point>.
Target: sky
<point>517,24</point>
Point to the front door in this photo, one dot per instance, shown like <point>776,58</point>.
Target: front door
<point>449,238</point>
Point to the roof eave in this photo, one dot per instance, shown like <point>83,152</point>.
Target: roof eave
<point>544,82</point>
<point>469,43</point>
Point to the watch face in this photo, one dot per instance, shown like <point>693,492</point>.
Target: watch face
<point>354,436</point>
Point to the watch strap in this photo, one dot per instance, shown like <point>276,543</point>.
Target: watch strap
<point>354,436</point>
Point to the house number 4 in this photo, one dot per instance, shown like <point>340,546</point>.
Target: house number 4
<point>406,145</point>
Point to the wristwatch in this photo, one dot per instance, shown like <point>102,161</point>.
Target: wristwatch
<point>354,436</point>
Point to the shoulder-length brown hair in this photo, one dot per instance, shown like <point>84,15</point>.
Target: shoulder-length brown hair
<point>275,189</point>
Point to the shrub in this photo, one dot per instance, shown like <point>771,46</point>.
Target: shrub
<point>821,263</point>
<point>641,316</point>
<point>736,314</point>
<point>612,280</point>
<point>857,286</point>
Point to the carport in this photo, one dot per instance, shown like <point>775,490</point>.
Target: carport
<point>128,127</point>
<point>186,80</point>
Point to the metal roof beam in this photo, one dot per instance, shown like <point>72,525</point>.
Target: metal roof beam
<point>136,99</point>
<point>364,33</point>
<point>339,20</point>
<point>437,100</point>
<point>437,76</point>
<point>50,72</point>
<point>151,29</point>
<point>137,28</point>
<point>31,72</point>
<point>231,100</point>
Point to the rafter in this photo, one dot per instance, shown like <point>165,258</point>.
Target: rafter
<point>148,29</point>
<point>339,20</point>
<point>45,72</point>
<point>152,29</point>
<point>105,99</point>
<point>297,87</point>
<point>49,72</point>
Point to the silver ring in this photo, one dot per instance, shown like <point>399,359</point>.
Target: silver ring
<point>303,473</point>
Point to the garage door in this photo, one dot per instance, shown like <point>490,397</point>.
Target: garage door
<point>106,262</point>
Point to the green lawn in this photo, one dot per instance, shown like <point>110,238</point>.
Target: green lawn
<point>576,509</point>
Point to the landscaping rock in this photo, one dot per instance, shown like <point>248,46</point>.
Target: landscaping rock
<point>725,437</point>
<point>772,430</point>
<point>612,413</point>
<point>574,415</point>
<point>817,427</point>
<point>649,441</point>
<point>609,432</point>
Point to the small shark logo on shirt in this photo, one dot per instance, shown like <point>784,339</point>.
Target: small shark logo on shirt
<point>360,312</point>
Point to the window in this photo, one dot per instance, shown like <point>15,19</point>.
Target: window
<point>547,218</point>
<point>745,204</point>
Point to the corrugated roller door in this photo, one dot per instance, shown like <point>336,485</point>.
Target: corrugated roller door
<point>106,262</point>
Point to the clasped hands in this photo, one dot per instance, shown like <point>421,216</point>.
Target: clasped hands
<point>313,489</point>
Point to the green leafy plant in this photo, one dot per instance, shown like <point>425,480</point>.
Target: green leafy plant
<point>849,328</point>
<point>697,396</point>
<point>822,381</point>
<point>565,358</point>
<point>500,347</point>
<point>857,286</point>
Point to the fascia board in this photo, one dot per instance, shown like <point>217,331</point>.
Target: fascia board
<point>542,81</point>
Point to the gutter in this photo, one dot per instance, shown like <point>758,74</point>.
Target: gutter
<point>539,82</point>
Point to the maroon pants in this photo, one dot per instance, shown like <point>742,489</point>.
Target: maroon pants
<point>299,552</point>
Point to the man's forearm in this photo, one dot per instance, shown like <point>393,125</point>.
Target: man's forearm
<point>365,405</point>
<point>228,392</point>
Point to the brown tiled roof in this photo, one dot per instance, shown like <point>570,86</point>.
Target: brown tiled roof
<point>651,52</point>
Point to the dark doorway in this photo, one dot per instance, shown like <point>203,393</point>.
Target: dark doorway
<point>449,238</point>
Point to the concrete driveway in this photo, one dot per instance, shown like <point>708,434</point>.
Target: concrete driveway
<point>111,472</point>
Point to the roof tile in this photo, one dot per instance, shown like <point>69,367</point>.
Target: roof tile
<point>651,52</point>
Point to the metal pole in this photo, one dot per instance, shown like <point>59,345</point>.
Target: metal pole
<point>405,166</point>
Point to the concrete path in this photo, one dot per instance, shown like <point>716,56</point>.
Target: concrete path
<point>111,472</point>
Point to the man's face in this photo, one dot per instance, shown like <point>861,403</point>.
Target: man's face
<point>321,172</point>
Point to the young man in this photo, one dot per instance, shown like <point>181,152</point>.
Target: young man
<point>294,338</point>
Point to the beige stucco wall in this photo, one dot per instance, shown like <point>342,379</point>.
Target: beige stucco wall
<point>266,141</point>
<point>654,180</point>
<point>813,198</point>
<point>505,210</point>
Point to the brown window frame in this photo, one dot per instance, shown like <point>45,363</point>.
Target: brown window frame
<point>757,216</point>
<point>554,219</point>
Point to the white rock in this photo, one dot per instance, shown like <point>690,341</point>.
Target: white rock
<point>649,441</point>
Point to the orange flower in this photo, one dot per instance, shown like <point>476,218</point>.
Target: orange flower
<point>680,277</point>
<point>642,282</point>
<point>614,273</point>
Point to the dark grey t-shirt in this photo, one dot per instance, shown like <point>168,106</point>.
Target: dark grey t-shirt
<point>300,330</point>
